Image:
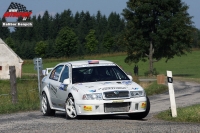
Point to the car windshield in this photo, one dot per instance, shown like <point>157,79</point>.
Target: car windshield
<point>97,73</point>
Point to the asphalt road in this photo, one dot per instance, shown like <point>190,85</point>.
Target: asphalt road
<point>34,122</point>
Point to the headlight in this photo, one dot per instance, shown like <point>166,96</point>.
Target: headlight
<point>92,96</point>
<point>137,93</point>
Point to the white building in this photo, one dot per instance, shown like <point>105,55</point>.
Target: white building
<point>9,58</point>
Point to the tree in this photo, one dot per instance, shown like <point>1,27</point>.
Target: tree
<point>9,41</point>
<point>91,42</point>
<point>40,48</point>
<point>157,29</point>
<point>66,42</point>
<point>4,31</point>
<point>108,41</point>
<point>196,40</point>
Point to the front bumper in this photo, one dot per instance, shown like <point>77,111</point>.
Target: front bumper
<point>106,107</point>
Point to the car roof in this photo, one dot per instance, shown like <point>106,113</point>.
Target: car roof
<point>85,62</point>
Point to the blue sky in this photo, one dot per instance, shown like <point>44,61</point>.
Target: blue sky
<point>105,6</point>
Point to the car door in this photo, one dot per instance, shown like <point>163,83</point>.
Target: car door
<point>54,84</point>
<point>62,91</point>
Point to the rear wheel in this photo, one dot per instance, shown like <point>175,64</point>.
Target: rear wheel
<point>141,115</point>
<point>46,110</point>
<point>70,108</point>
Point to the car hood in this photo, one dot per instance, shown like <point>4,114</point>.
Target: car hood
<point>107,86</point>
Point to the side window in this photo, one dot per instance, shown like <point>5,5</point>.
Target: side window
<point>65,74</point>
<point>56,73</point>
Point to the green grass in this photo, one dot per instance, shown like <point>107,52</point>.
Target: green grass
<point>186,114</point>
<point>27,95</point>
<point>155,88</point>
<point>185,66</point>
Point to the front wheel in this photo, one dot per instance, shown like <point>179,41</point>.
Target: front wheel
<point>46,110</point>
<point>141,115</point>
<point>70,108</point>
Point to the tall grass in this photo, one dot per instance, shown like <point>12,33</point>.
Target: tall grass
<point>27,95</point>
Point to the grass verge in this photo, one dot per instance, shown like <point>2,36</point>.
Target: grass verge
<point>153,88</point>
<point>27,95</point>
<point>185,114</point>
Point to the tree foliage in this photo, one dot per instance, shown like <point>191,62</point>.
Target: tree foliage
<point>108,41</point>
<point>40,49</point>
<point>91,42</point>
<point>157,29</point>
<point>66,42</point>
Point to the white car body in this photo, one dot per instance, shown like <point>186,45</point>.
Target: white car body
<point>112,95</point>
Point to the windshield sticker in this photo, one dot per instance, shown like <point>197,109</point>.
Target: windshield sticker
<point>127,82</point>
<point>90,65</point>
<point>63,87</point>
<point>92,90</point>
<point>112,88</point>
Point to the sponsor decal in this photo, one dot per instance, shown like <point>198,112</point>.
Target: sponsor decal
<point>118,101</point>
<point>112,88</point>
<point>87,108</point>
<point>127,82</point>
<point>92,90</point>
<point>89,86</point>
<point>143,105</point>
<point>135,88</point>
<point>63,87</point>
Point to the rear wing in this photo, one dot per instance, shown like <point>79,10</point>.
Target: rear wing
<point>46,71</point>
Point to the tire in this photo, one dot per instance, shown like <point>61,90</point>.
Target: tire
<point>138,116</point>
<point>45,108</point>
<point>70,108</point>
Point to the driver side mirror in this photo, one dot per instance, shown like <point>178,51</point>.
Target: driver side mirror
<point>130,77</point>
<point>66,81</point>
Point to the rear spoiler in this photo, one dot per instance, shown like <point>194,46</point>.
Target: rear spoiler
<point>46,71</point>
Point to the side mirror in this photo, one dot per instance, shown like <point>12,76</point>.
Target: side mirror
<point>66,81</point>
<point>130,77</point>
<point>44,72</point>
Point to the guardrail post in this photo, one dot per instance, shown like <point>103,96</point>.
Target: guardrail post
<point>13,84</point>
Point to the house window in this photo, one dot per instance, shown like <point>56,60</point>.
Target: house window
<point>0,67</point>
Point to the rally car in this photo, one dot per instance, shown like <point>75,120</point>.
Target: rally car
<point>92,87</point>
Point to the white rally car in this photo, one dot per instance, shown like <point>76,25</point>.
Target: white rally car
<point>92,87</point>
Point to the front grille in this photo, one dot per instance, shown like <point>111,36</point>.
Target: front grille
<point>116,107</point>
<point>116,94</point>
